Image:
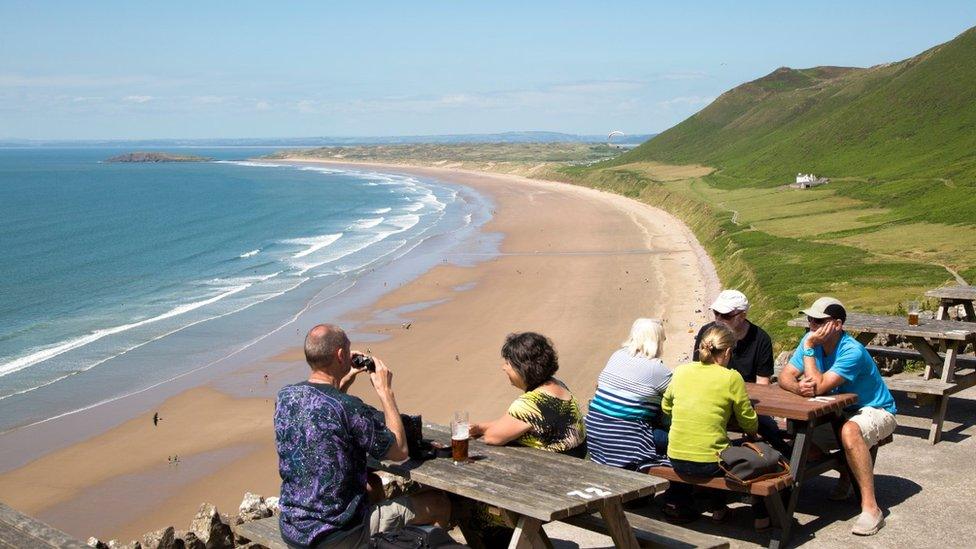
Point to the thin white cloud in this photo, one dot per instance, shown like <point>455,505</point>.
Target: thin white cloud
<point>137,98</point>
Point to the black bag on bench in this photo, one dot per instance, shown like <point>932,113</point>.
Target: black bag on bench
<point>751,462</point>
<point>413,537</point>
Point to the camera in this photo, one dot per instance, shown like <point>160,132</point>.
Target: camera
<point>363,361</point>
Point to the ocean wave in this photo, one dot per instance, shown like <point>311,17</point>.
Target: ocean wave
<point>249,163</point>
<point>380,211</point>
<point>366,223</point>
<point>71,373</point>
<point>63,347</point>
<point>251,253</point>
<point>401,222</point>
<point>314,243</point>
<point>414,207</point>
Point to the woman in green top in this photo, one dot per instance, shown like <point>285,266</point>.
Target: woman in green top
<point>701,399</point>
<point>546,416</point>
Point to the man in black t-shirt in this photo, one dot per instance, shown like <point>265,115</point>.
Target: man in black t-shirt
<point>752,355</point>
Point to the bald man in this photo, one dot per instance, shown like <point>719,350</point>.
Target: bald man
<point>324,437</point>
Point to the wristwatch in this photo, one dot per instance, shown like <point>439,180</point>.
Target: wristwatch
<point>809,352</point>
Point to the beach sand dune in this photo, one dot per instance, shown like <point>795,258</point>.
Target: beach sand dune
<point>577,265</point>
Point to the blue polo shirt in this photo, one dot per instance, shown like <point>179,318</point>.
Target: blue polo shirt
<point>851,362</point>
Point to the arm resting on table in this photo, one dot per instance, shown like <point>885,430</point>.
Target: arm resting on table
<point>499,431</point>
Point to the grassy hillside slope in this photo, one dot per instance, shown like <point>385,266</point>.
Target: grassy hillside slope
<point>899,216</point>
<point>911,119</point>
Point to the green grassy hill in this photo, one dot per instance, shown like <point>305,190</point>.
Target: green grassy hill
<point>898,142</point>
<point>911,119</point>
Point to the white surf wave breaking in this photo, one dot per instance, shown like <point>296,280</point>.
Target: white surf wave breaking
<point>251,253</point>
<point>314,243</point>
<point>63,347</point>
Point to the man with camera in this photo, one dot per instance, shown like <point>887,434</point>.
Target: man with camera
<point>324,437</point>
<point>829,360</point>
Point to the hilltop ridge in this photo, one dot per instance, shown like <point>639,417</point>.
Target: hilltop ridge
<point>912,118</point>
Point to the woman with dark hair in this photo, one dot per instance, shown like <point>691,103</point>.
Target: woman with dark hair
<point>546,416</point>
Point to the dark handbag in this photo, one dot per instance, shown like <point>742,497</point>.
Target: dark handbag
<point>413,537</point>
<point>751,462</point>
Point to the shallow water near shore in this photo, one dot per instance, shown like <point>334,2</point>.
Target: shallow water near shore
<point>122,277</point>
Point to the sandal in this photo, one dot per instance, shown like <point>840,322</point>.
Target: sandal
<point>721,514</point>
<point>679,514</point>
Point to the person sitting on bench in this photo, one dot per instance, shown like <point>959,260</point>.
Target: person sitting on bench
<point>829,360</point>
<point>701,399</point>
<point>324,436</point>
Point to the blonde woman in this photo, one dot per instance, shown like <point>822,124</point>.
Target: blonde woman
<point>701,399</point>
<point>624,425</point>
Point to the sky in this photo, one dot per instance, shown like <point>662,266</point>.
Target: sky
<point>141,70</point>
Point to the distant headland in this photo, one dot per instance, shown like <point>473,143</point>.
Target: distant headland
<point>157,157</point>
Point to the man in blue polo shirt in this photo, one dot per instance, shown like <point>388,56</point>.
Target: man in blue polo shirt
<point>829,360</point>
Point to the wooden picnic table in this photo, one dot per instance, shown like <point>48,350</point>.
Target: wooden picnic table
<point>532,487</point>
<point>803,415</point>
<point>951,296</point>
<point>928,338</point>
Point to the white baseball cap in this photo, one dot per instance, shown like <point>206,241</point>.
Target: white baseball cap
<point>730,300</point>
<point>826,307</point>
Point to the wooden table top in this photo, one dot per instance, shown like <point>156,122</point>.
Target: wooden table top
<point>898,325</point>
<point>772,400</point>
<point>954,292</point>
<point>542,485</point>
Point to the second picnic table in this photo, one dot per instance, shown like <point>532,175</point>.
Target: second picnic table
<point>803,416</point>
<point>951,296</point>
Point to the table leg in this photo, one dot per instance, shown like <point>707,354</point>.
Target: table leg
<point>970,313</point>
<point>935,431</point>
<point>942,313</point>
<point>932,358</point>
<point>612,511</point>
<point>949,366</point>
<point>798,462</point>
<point>529,534</point>
<point>864,338</point>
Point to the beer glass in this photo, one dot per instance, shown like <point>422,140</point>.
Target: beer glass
<point>459,437</point>
<point>913,309</point>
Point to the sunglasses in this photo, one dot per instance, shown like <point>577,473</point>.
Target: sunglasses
<point>817,321</point>
<point>726,316</point>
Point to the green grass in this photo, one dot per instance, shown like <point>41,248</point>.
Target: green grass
<point>780,273</point>
<point>906,131</point>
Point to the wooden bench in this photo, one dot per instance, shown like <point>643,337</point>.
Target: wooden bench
<point>650,533</point>
<point>653,533</point>
<point>18,531</point>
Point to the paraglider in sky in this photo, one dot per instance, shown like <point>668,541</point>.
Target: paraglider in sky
<point>611,135</point>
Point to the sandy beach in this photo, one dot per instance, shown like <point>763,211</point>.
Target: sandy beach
<point>576,264</point>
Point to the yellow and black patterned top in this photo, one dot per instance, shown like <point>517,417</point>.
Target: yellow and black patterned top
<point>556,424</point>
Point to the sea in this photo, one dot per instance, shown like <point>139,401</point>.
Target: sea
<point>119,277</point>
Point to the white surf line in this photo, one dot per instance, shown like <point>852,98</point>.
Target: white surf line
<point>179,376</point>
<point>148,341</point>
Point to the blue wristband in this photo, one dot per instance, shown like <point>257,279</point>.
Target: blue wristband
<point>809,352</point>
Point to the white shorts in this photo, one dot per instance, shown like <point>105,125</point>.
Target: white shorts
<point>875,424</point>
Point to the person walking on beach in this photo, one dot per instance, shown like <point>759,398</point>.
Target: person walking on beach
<point>829,360</point>
<point>156,419</point>
<point>752,355</point>
<point>323,437</point>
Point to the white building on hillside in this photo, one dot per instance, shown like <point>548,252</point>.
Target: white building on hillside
<point>807,180</point>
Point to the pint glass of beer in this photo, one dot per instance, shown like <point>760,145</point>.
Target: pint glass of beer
<point>913,308</point>
<point>460,433</point>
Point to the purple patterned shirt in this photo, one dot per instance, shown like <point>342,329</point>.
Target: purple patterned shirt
<point>323,437</point>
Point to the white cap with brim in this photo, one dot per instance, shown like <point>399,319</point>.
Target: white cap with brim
<point>826,307</point>
<point>730,300</point>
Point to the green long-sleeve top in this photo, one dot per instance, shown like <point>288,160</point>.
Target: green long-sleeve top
<point>700,400</point>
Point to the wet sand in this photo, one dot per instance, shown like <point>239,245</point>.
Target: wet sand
<point>576,264</point>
